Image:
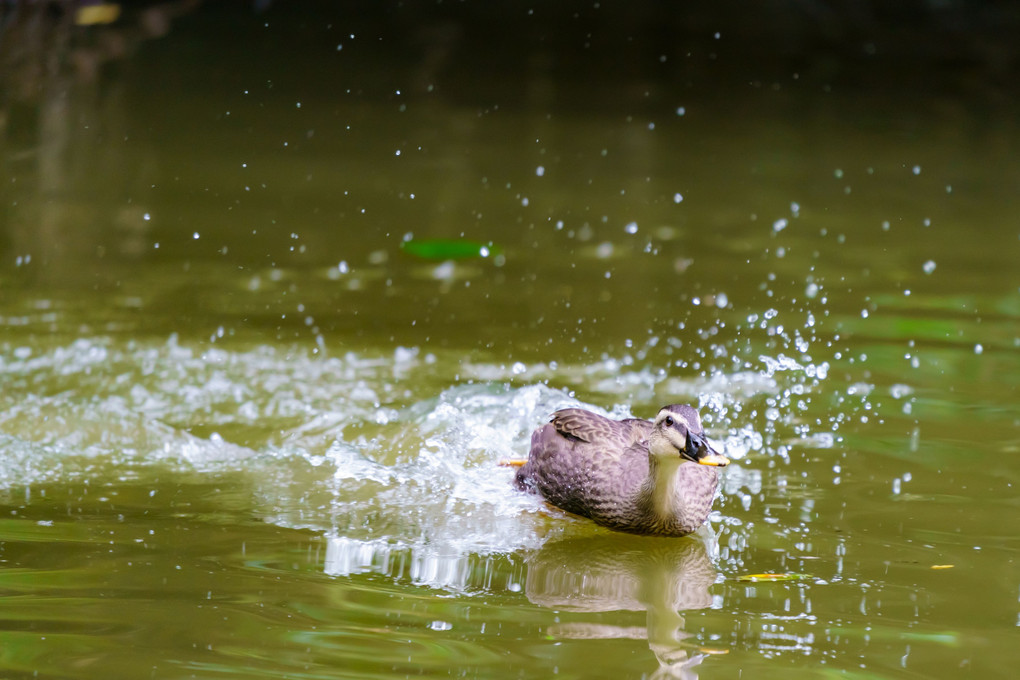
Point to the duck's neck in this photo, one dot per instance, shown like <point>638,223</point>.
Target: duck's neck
<point>680,493</point>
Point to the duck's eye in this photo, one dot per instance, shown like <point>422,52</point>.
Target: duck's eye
<point>669,421</point>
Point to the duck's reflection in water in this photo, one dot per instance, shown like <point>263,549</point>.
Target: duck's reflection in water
<point>617,572</point>
<point>605,572</point>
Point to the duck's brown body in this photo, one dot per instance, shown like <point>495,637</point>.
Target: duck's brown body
<point>630,475</point>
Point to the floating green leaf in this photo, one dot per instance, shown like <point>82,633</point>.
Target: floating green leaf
<point>448,248</point>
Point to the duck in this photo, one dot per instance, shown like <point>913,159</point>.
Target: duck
<point>654,477</point>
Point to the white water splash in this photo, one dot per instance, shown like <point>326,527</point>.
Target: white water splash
<point>400,478</point>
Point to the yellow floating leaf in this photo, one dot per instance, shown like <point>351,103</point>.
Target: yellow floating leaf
<point>789,576</point>
<point>942,566</point>
<point>512,462</point>
<point>104,13</point>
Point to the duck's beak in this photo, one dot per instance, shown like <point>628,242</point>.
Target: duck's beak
<point>701,453</point>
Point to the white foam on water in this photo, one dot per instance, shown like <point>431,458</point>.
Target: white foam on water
<point>423,565</point>
<point>402,480</point>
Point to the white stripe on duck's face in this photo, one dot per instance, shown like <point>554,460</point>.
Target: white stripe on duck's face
<point>672,423</point>
<point>685,415</point>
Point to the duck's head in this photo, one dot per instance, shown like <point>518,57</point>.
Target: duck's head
<point>678,429</point>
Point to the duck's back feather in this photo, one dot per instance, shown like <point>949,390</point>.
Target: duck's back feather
<point>587,464</point>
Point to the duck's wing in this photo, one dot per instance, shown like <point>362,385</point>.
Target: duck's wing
<point>585,426</point>
<point>579,425</point>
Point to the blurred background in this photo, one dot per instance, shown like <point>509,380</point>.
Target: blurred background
<point>145,138</point>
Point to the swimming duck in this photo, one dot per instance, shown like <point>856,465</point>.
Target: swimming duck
<point>643,477</point>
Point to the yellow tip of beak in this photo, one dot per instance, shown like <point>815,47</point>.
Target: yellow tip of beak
<point>716,459</point>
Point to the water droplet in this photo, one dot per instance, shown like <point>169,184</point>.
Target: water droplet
<point>779,224</point>
<point>929,266</point>
<point>540,170</point>
<point>899,391</point>
<point>631,228</point>
<point>445,271</point>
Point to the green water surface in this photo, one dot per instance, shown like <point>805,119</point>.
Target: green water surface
<point>279,289</point>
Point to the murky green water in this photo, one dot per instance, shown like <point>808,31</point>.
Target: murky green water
<point>244,434</point>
